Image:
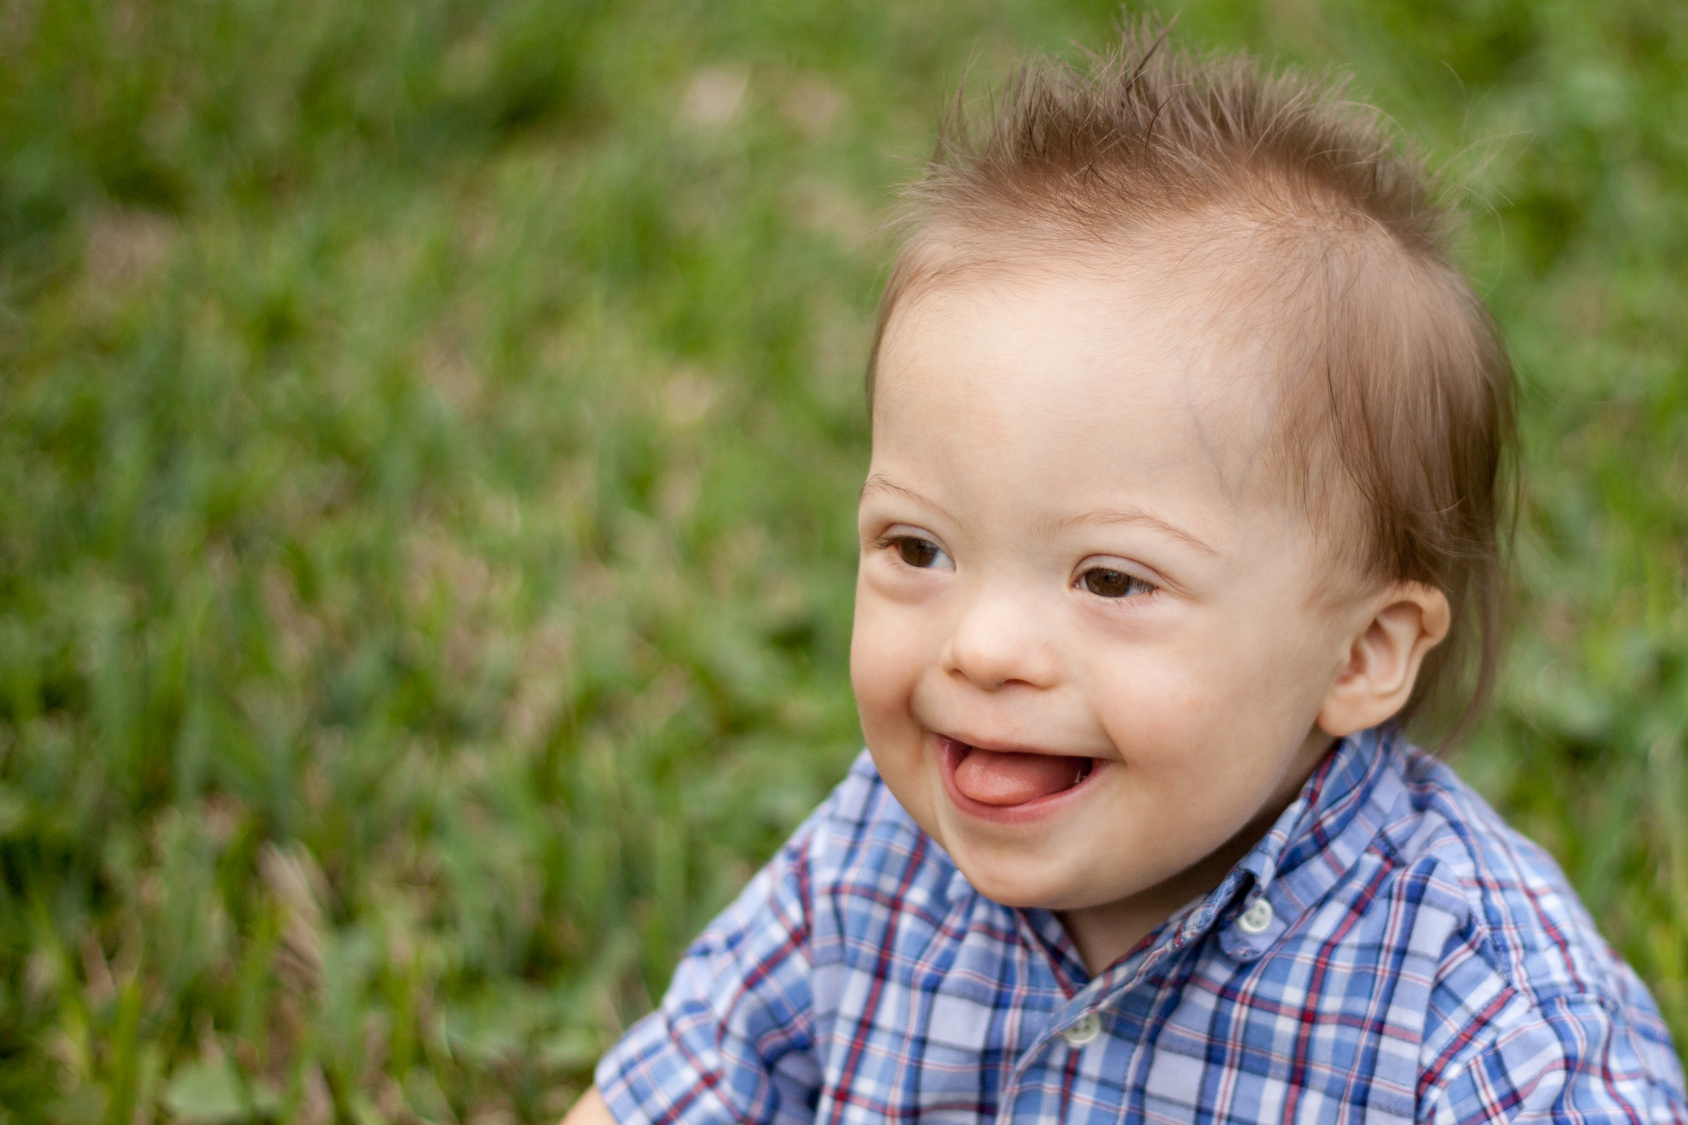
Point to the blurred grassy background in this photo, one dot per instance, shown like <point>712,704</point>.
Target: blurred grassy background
<point>428,441</point>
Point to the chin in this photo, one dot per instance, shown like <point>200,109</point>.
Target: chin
<point>1000,881</point>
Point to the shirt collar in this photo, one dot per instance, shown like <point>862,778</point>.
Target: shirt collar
<point>1307,851</point>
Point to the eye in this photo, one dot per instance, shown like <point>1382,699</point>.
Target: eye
<point>1105,582</point>
<point>915,551</point>
<point>918,552</point>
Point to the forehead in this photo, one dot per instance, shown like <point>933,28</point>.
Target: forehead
<point>1148,363</point>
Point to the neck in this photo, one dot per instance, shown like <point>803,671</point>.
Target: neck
<point>1105,933</point>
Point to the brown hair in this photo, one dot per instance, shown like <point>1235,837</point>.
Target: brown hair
<point>1397,388</point>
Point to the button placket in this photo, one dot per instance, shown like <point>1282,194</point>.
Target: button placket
<point>1257,919</point>
<point>1101,991</point>
<point>1083,1031</point>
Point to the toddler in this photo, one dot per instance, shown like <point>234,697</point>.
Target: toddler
<point>1183,497</point>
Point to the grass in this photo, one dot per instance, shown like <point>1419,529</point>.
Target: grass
<point>428,438</point>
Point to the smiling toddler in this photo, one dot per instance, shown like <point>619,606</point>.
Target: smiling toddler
<point>1183,497</point>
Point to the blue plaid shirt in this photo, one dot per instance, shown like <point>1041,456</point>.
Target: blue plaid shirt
<point>1389,952</point>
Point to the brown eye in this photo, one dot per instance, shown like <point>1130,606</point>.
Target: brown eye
<point>1107,583</point>
<point>918,552</point>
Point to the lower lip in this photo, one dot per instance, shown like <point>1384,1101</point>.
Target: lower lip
<point>950,752</point>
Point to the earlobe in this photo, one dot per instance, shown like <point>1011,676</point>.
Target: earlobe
<point>1407,621</point>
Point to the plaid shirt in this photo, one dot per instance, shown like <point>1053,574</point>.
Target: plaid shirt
<point>1389,952</point>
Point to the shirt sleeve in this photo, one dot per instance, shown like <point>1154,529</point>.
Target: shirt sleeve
<point>1574,1060</point>
<point>732,1040</point>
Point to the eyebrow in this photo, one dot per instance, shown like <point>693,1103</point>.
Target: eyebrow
<point>879,482</point>
<point>1105,516</point>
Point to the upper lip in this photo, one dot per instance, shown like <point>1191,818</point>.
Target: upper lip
<point>1006,748</point>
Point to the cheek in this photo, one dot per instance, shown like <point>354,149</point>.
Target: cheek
<point>1241,660</point>
<point>1153,707</point>
<point>885,660</point>
<point>1192,711</point>
<point>886,663</point>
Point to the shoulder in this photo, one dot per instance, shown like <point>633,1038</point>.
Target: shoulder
<point>1529,926</point>
<point>1525,994</point>
<point>868,861</point>
<point>1536,932</point>
<point>856,879</point>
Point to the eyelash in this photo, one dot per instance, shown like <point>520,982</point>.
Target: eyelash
<point>1134,586</point>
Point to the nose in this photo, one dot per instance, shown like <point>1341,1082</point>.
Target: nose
<point>1001,640</point>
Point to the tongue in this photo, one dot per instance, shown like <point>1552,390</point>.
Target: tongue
<point>993,778</point>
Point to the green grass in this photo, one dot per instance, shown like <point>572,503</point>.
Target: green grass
<point>428,439</point>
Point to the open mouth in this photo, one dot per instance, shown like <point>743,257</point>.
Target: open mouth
<point>1010,779</point>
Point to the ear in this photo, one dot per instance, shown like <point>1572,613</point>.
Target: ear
<point>1407,621</point>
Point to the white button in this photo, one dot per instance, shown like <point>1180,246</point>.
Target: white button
<point>1086,1029</point>
<point>1256,918</point>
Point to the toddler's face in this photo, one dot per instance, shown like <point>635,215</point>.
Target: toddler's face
<point>1088,651</point>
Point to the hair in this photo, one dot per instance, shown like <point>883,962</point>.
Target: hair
<point>1395,417</point>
